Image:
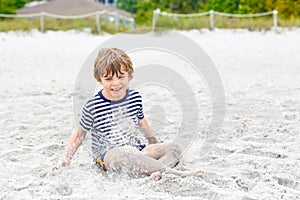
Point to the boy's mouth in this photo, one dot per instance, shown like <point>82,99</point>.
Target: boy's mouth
<point>116,89</point>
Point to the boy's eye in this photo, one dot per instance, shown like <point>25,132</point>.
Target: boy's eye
<point>108,79</point>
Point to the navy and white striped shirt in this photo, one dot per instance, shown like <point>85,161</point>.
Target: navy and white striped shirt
<point>112,123</point>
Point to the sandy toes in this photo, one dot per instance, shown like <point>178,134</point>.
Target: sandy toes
<point>198,173</point>
<point>156,176</point>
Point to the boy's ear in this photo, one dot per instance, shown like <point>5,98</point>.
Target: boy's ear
<point>131,77</point>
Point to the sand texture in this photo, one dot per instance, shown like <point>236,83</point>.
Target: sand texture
<point>257,154</point>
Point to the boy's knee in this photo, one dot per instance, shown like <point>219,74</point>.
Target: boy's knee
<point>119,156</point>
<point>175,148</point>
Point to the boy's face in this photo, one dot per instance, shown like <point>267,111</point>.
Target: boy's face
<point>114,87</point>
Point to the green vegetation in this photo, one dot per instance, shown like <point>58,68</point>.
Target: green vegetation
<point>287,9</point>
<point>145,8</point>
<point>260,23</point>
<point>19,24</point>
<point>128,5</point>
<point>10,6</point>
<point>288,15</point>
<point>63,24</point>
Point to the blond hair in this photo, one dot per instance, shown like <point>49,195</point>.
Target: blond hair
<point>112,61</point>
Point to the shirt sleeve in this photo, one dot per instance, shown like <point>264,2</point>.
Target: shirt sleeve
<point>140,113</point>
<point>86,119</point>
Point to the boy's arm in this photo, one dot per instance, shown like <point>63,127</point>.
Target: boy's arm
<point>73,144</point>
<point>150,136</point>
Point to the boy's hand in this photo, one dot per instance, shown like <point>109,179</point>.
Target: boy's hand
<point>152,140</point>
<point>72,146</point>
<point>63,162</point>
<point>148,132</point>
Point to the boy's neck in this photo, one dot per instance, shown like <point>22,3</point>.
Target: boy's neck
<point>107,97</point>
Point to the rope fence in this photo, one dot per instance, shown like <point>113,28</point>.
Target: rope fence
<point>97,15</point>
<point>156,14</point>
<point>212,13</point>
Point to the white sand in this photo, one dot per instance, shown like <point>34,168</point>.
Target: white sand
<point>257,156</point>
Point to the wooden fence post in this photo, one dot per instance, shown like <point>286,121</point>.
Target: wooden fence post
<point>117,23</point>
<point>98,22</point>
<point>42,21</point>
<point>155,16</point>
<point>211,19</point>
<point>275,19</point>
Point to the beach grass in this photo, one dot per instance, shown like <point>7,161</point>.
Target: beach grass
<point>25,24</point>
<point>261,23</point>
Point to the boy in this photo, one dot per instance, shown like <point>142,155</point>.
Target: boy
<point>113,116</point>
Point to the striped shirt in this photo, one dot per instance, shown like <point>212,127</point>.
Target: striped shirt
<point>112,123</point>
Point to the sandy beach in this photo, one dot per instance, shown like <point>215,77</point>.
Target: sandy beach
<point>257,154</point>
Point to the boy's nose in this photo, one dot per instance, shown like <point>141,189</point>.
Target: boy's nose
<point>116,81</point>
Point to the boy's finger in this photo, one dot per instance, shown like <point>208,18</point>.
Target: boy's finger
<point>52,171</point>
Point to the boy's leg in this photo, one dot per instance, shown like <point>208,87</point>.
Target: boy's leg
<point>127,157</point>
<point>131,159</point>
<point>167,154</point>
